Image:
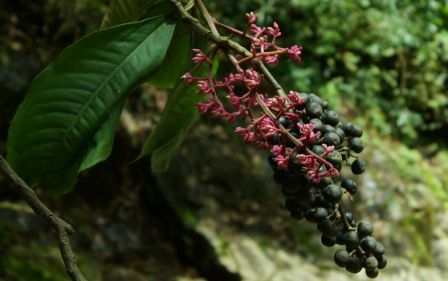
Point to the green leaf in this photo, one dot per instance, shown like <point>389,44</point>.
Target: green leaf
<point>123,11</point>
<point>178,57</point>
<point>179,114</point>
<point>62,115</point>
<point>101,144</point>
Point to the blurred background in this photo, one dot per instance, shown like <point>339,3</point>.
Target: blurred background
<point>216,214</point>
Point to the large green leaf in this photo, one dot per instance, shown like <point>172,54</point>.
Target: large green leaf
<point>68,102</point>
<point>123,11</point>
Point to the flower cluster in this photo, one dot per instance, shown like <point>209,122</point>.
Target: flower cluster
<point>308,144</point>
<point>265,129</point>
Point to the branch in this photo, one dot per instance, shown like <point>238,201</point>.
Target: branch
<point>63,229</point>
<point>225,42</point>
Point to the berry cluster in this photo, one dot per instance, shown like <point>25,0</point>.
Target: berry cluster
<point>317,199</point>
<point>308,145</point>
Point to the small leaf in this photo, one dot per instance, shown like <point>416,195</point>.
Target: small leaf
<point>54,129</point>
<point>178,116</point>
<point>176,60</point>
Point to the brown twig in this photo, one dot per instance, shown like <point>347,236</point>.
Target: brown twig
<point>63,229</point>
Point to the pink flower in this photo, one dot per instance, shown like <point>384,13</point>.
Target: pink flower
<point>267,127</point>
<point>208,106</point>
<point>188,78</point>
<point>282,161</point>
<point>295,98</point>
<point>270,59</point>
<point>204,87</point>
<point>200,57</point>
<point>252,78</point>
<point>295,53</point>
<point>307,132</point>
<point>246,133</point>
<point>277,149</point>
<point>274,30</point>
<point>252,18</point>
<point>256,30</point>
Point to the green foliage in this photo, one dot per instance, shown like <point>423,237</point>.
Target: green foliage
<point>387,57</point>
<point>179,114</point>
<point>67,121</point>
<point>123,11</point>
<point>23,265</point>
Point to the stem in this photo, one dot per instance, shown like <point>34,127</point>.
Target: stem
<point>227,43</point>
<point>63,229</point>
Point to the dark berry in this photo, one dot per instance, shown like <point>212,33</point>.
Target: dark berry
<point>372,273</point>
<point>379,250</point>
<point>349,185</point>
<point>351,240</point>
<point>291,204</point>
<point>382,261</point>
<point>335,158</point>
<point>317,124</point>
<point>352,130</point>
<point>275,139</point>
<point>283,177</point>
<point>314,109</point>
<point>296,214</point>
<point>370,263</point>
<point>332,193</point>
<point>324,182</point>
<point>316,98</point>
<point>356,144</point>
<point>318,149</point>
<point>285,122</point>
<point>316,214</point>
<point>368,244</point>
<point>327,228</point>
<point>340,133</point>
<point>341,257</point>
<point>331,138</point>
<point>358,166</point>
<point>328,241</point>
<point>354,264</point>
<point>364,229</point>
<point>350,218</point>
<point>327,128</point>
<point>320,201</point>
<point>330,117</point>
